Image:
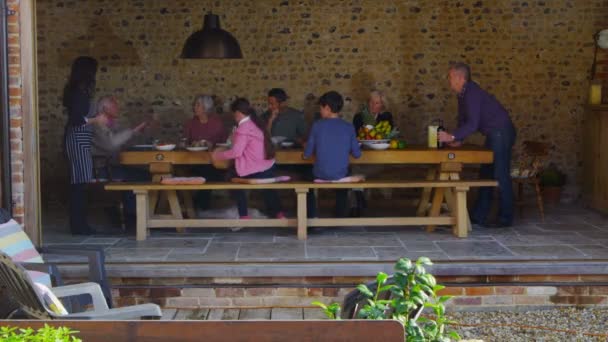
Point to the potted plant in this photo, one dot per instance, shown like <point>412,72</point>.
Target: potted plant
<point>44,334</point>
<point>551,181</point>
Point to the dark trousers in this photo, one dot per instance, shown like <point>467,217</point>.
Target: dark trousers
<point>78,209</point>
<point>202,198</point>
<point>341,209</point>
<point>271,197</point>
<point>127,174</point>
<point>341,203</point>
<point>500,142</point>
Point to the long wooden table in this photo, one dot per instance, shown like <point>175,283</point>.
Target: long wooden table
<point>446,164</point>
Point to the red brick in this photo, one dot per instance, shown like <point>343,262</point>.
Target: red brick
<point>451,291</point>
<point>320,280</point>
<point>467,301</point>
<point>164,292</point>
<point>229,292</point>
<point>530,300</point>
<point>315,292</point>
<point>563,299</point>
<point>259,292</point>
<point>462,279</point>
<point>330,292</point>
<point>134,292</point>
<point>513,290</point>
<point>16,123</point>
<point>120,302</point>
<point>572,290</point>
<point>598,290</point>
<point>479,291</point>
<point>591,300</point>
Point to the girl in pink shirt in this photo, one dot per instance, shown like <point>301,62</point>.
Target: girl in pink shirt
<point>253,156</point>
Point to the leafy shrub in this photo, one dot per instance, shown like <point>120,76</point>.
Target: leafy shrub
<point>412,290</point>
<point>551,176</point>
<point>45,334</point>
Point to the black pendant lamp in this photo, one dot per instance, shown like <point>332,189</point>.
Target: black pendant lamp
<point>211,41</point>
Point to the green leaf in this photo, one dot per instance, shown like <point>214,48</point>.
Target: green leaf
<point>381,278</point>
<point>404,265</point>
<point>319,304</point>
<point>386,288</point>
<point>444,299</point>
<point>365,290</point>
<point>424,261</point>
<point>438,288</point>
<point>454,335</point>
<point>420,269</point>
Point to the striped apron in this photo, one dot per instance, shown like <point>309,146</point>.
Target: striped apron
<point>78,141</point>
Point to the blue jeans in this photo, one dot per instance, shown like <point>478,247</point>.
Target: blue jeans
<point>501,142</point>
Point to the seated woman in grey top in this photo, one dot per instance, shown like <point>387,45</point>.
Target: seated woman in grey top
<point>282,120</point>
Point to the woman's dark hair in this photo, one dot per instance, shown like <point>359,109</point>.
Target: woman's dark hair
<point>333,100</point>
<point>278,94</point>
<point>82,77</point>
<point>242,105</point>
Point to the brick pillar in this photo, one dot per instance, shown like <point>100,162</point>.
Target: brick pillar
<point>16,129</point>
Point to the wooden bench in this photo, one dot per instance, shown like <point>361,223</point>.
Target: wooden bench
<point>260,331</point>
<point>459,218</point>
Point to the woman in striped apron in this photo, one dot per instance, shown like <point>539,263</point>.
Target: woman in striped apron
<point>78,100</point>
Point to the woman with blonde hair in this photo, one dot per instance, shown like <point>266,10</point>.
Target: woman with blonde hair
<point>373,113</point>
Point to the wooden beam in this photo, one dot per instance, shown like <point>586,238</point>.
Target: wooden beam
<point>381,221</point>
<point>214,223</point>
<point>29,108</point>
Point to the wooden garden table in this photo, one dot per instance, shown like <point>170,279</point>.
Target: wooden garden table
<point>446,164</point>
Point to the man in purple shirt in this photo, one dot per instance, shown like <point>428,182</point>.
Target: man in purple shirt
<point>478,110</point>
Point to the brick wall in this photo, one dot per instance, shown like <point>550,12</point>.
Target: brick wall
<point>471,292</point>
<point>16,119</point>
<point>534,55</point>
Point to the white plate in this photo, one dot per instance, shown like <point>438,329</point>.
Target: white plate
<point>379,146</point>
<point>287,143</point>
<point>222,144</point>
<point>168,147</point>
<point>278,139</point>
<point>197,148</point>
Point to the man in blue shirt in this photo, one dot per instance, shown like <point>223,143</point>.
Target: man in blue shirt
<point>332,141</point>
<point>478,110</point>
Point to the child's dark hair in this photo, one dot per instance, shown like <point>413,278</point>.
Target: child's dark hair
<point>333,100</point>
<point>242,105</point>
<point>278,94</point>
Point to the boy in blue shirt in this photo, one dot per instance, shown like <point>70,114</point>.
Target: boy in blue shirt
<point>332,140</point>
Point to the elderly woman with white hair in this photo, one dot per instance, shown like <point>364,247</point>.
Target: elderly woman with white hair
<point>373,113</point>
<point>206,125</point>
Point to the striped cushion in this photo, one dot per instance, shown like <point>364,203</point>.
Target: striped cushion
<point>16,244</point>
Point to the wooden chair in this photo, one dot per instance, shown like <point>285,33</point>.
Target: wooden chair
<point>37,304</point>
<point>534,155</point>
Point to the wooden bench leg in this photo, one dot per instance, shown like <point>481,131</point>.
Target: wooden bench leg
<point>302,213</point>
<point>176,209</point>
<point>141,201</point>
<point>461,229</point>
<point>426,193</point>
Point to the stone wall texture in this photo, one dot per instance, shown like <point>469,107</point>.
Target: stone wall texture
<point>535,56</point>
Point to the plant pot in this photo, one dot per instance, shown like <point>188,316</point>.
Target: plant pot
<point>552,194</point>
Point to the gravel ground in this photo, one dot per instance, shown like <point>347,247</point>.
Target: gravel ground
<point>580,320</point>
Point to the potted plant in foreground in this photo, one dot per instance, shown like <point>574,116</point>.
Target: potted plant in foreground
<point>411,290</point>
<point>552,181</point>
<point>45,334</point>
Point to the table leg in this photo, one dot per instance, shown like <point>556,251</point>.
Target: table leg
<point>189,204</point>
<point>176,209</point>
<point>426,192</point>
<point>141,202</point>
<point>302,214</point>
<point>456,176</point>
<point>462,216</point>
<point>438,198</point>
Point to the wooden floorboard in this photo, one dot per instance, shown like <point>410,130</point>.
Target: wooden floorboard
<point>285,314</point>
